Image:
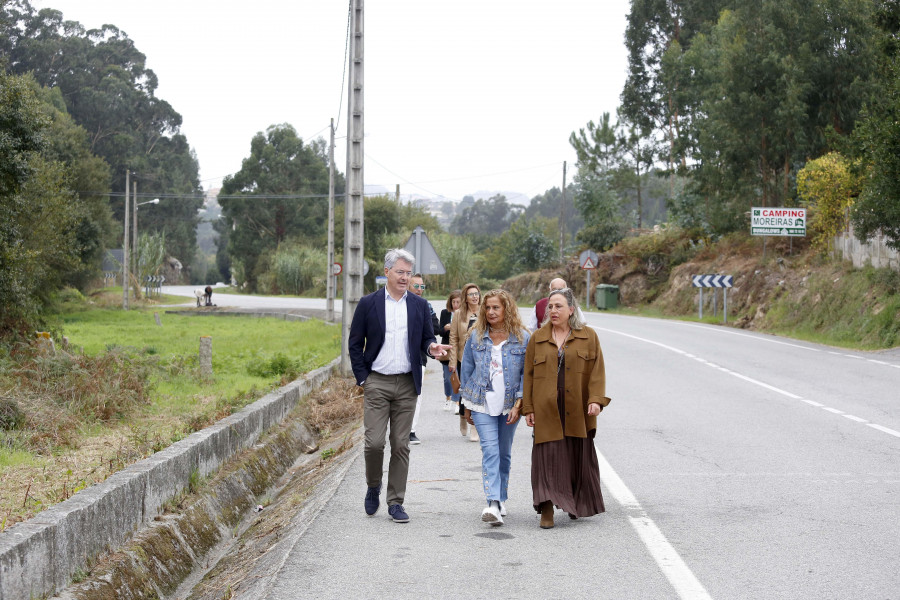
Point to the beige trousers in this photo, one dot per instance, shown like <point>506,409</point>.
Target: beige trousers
<point>389,399</point>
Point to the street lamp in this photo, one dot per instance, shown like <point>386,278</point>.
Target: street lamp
<point>137,263</point>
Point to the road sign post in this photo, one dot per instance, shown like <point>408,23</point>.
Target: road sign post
<point>715,282</point>
<point>427,260</point>
<point>588,260</point>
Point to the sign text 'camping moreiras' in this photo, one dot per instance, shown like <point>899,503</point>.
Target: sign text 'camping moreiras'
<point>778,221</point>
<point>427,260</point>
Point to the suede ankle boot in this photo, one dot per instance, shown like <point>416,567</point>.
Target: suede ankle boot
<point>546,515</point>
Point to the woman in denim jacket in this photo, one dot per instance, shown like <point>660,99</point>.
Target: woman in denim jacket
<point>491,379</point>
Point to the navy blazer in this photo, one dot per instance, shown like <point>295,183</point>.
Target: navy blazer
<point>367,334</point>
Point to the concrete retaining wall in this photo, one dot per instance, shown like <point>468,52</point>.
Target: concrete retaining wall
<point>39,557</point>
<point>874,251</point>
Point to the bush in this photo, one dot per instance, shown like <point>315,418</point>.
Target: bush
<point>11,416</point>
<point>272,366</point>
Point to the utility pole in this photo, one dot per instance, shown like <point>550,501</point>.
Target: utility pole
<point>353,205</point>
<point>562,218</point>
<point>134,232</point>
<point>125,244</point>
<point>331,277</point>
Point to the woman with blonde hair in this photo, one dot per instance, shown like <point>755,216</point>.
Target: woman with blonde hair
<point>565,390</point>
<point>492,378</point>
<point>463,320</point>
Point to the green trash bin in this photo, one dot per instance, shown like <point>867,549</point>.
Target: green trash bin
<point>607,296</point>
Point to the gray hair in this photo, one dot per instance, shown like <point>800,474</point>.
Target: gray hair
<point>395,254</point>
<point>575,320</point>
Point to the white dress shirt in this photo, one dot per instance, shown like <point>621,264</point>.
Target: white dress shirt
<point>393,358</point>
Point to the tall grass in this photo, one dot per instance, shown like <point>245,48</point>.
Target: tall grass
<point>843,307</point>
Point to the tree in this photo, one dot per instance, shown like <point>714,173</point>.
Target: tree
<point>876,141</point>
<point>828,188</point>
<point>39,215</point>
<point>109,91</point>
<point>619,154</point>
<point>67,143</point>
<point>257,216</point>
<point>601,209</point>
<point>654,97</point>
<point>745,93</point>
<point>528,245</point>
<point>485,219</point>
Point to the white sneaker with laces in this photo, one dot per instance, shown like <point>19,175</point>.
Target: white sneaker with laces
<point>447,405</point>
<point>491,514</point>
<point>503,509</point>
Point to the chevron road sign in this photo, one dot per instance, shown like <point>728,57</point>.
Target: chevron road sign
<point>713,281</point>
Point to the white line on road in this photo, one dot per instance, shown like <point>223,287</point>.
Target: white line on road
<point>884,429</point>
<point>767,340</point>
<point>857,419</point>
<point>686,585</point>
<point>754,381</point>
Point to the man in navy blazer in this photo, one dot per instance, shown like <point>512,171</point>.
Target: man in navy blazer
<point>390,329</point>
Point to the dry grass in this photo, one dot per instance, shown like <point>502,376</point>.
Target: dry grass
<point>336,404</point>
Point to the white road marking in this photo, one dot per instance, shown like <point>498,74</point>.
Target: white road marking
<point>853,418</point>
<point>686,585</point>
<point>884,429</point>
<point>755,381</point>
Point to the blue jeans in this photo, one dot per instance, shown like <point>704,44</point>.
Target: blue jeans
<point>496,453</point>
<point>448,387</point>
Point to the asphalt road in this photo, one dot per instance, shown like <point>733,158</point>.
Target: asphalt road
<point>734,465</point>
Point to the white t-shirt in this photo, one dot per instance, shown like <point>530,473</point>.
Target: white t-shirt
<point>493,397</point>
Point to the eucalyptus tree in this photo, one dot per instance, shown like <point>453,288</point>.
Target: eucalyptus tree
<point>876,141</point>
<point>108,90</point>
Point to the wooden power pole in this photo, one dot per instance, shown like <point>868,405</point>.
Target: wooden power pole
<point>353,206</point>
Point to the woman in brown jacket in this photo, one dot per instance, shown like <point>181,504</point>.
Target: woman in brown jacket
<point>463,320</point>
<point>565,390</point>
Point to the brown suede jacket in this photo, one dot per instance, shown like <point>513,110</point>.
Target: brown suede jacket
<point>585,381</point>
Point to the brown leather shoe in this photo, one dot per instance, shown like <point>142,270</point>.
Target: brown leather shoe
<point>546,515</point>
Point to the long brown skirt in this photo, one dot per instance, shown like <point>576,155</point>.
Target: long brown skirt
<point>566,471</point>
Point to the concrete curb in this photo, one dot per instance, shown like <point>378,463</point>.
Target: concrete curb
<point>39,557</point>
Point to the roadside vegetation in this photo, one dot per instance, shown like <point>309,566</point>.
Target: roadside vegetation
<point>124,387</point>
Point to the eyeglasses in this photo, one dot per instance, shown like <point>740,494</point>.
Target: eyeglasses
<point>402,273</point>
<point>418,286</point>
<point>473,294</point>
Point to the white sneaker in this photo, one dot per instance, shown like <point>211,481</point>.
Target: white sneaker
<point>491,514</point>
<point>503,509</point>
<point>447,404</point>
<point>456,408</point>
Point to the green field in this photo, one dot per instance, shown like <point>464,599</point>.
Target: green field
<point>126,387</point>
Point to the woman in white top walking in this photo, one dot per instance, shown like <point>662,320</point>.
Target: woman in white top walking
<point>492,376</point>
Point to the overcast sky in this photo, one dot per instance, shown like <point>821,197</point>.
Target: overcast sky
<point>460,96</point>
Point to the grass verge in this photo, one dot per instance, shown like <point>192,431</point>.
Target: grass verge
<point>126,387</point>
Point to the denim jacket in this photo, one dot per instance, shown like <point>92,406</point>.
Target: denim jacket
<point>476,364</point>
